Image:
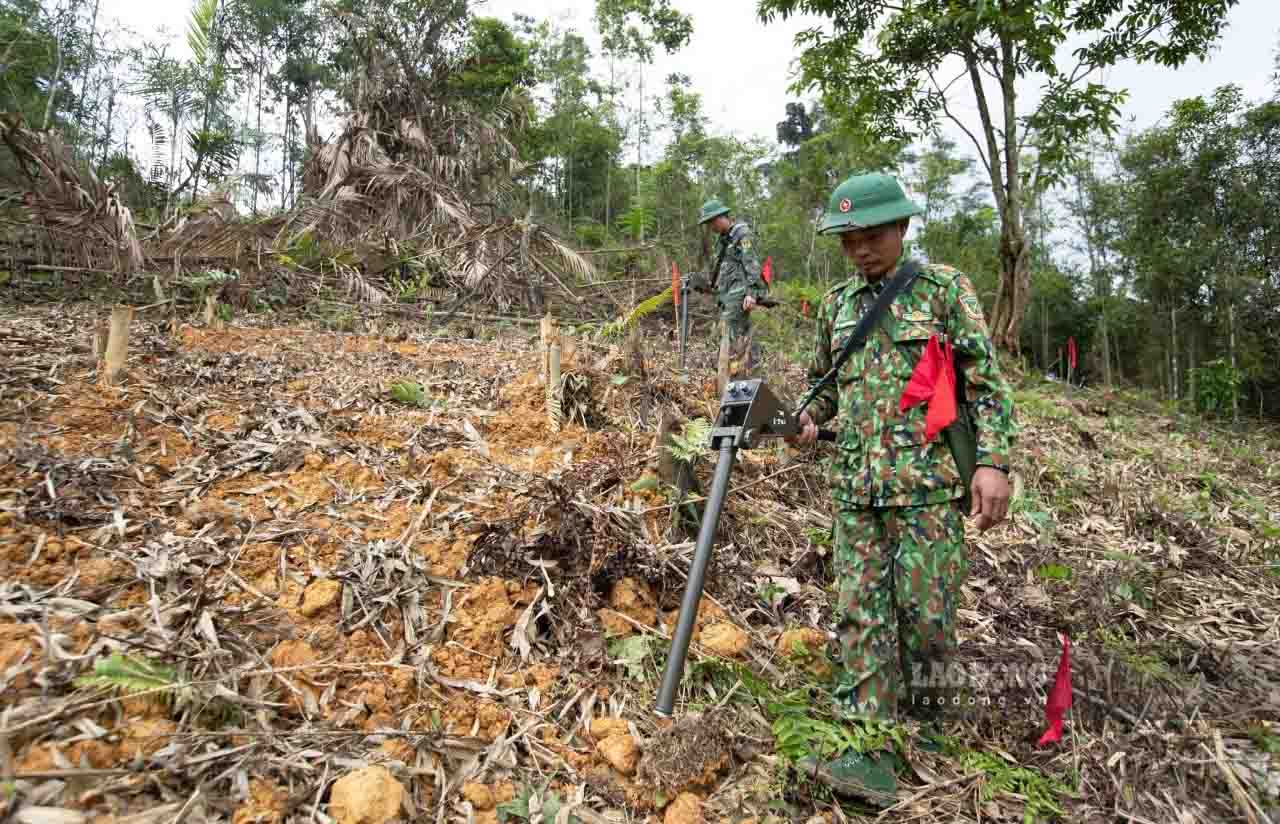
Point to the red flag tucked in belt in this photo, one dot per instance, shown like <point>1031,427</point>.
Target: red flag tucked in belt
<point>1059,699</point>
<point>767,272</point>
<point>934,380</point>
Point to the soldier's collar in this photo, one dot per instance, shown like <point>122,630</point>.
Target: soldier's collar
<point>859,281</point>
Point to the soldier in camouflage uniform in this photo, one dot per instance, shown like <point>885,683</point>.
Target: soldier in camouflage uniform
<point>739,284</point>
<point>899,526</point>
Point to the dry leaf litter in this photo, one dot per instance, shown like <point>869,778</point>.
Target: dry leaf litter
<point>363,611</point>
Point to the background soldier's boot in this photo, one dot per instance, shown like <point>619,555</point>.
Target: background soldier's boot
<point>871,777</point>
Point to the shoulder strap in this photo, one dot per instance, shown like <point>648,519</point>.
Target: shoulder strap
<point>728,241</point>
<point>903,279</point>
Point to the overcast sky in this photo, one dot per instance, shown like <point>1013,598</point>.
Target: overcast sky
<point>742,68</point>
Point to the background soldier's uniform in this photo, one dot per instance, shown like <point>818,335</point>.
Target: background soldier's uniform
<point>739,276</point>
<point>899,528</point>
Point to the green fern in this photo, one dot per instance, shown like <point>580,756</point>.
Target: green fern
<point>797,733</point>
<point>129,674</point>
<point>409,393</point>
<point>646,307</point>
<point>1040,791</point>
<point>687,446</point>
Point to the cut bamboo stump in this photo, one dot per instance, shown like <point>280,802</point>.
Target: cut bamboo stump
<point>211,317</point>
<point>100,334</point>
<point>117,344</point>
<point>555,407</point>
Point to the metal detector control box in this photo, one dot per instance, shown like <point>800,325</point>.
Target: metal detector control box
<point>750,411</point>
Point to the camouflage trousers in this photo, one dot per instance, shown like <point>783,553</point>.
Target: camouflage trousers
<point>743,351</point>
<point>899,571</point>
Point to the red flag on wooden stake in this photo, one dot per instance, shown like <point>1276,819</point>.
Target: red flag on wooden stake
<point>1071,352</point>
<point>1059,700</point>
<point>675,283</point>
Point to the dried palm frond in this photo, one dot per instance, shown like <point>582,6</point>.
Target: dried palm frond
<point>70,199</point>
<point>213,228</point>
<point>362,290</point>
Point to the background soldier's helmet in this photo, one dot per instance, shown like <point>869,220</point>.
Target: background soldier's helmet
<point>866,200</point>
<point>712,209</point>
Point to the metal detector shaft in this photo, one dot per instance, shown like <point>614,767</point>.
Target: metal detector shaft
<point>697,576</point>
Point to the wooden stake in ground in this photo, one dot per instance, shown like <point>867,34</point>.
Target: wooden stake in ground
<point>555,408</point>
<point>100,342</point>
<point>117,343</point>
<point>722,371</point>
<point>547,332</point>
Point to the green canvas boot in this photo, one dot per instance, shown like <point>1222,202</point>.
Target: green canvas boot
<point>872,777</point>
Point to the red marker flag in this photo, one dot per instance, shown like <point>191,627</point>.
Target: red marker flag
<point>804,308</point>
<point>1059,699</point>
<point>1071,352</point>
<point>675,283</point>
<point>767,273</point>
<point>934,380</point>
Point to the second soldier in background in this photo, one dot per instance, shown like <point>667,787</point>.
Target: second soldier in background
<point>736,278</point>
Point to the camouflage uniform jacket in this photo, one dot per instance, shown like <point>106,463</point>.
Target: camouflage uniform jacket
<point>739,270</point>
<point>882,458</point>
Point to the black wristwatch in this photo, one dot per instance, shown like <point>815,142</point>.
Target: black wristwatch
<point>1000,467</point>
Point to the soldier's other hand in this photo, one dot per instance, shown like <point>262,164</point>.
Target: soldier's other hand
<point>990,492</point>
<point>748,303</point>
<point>808,431</point>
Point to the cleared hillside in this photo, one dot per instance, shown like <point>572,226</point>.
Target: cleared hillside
<point>305,575</point>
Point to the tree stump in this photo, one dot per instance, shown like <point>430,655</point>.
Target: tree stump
<point>679,475</point>
<point>117,344</point>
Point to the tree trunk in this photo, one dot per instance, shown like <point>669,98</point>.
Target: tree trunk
<point>1231,317</point>
<point>257,138</point>
<point>1173,354</point>
<point>111,106</point>
<point>88,66</point>
<point>285,185</point>
<point>608,167</point>
<point>1014,291</point>
<point>1106,351</point>
<point>1191,371</point>
<point>1044,334</point>
<point>53,84</point>
<point>639,145</point>
<point>214,89</point>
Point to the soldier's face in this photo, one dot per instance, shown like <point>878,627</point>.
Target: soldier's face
<point>875,250</point>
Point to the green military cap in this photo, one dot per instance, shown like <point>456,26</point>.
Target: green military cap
<point>866,200</point>
<point>712,209</point>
